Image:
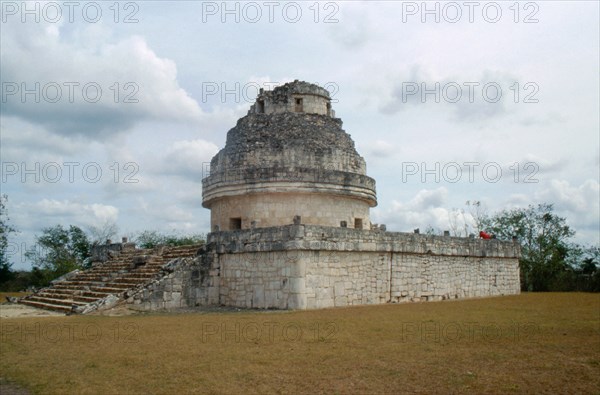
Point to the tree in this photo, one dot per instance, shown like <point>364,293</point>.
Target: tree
<point>584,262</point>
<point>591,260</point>
<point>464,222</point>
<point>152,238</point>
<point>6,273</point>
<point>431,231</point>
<point>478,214</point>
<point>544,239</point>
<point>58,251</point>
<point>99,234</point>
<point>457,222</point>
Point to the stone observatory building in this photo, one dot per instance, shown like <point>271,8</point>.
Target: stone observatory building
<point>289,198</point>
<point>289,157</point>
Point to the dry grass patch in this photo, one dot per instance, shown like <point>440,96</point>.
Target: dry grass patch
<point>527,343</point>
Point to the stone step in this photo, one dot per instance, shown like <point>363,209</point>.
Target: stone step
<point>128,280</point>
<point>109,290</point>
<point>95,279</point>
<point>179,253</point>
<point>115,277</point>
<point>111,267</point>
<point>134,280</point>
<point>121,286</point>
<point>149,272</point>
<point>115,262</point>
<point>171,257</point>
<point>174,256</point>
<point>94,294</point>
<point>65,287</point>
<point>46,306</point>
<point>86,299</point>
<point>105,271</point>
<point>108,273</point>
<point>58,294</point>
<point>77,298</point>
<point>61,302</point>
<point>138,274</point>
<point>81,284</point>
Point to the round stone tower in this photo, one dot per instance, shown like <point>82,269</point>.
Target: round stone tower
<point>289,160</point>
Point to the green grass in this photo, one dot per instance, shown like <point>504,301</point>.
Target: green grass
<point>531,343</point>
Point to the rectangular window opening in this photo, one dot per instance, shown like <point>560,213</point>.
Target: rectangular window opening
<point>299,105</point>
<point>358,223</point>
<point>235,223</point>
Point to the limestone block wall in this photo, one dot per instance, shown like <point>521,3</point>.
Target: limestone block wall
<point>310,267</point>
<point>430,277</point>
<point>277,209</point>
<point>343,278</point>
<point>278,163</point>
<point>357,278</point>
<point>262,280</point>
<point>188,282</point>
<point>306,266</point>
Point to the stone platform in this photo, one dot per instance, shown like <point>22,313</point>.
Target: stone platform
<point>308,267</point>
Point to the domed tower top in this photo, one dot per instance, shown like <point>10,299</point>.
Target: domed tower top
<point>297,96</point>
<point>289,160</point>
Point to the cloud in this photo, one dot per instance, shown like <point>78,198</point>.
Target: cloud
<point>190,159</point>
<point>353,24</point>
<point>580,201</point>
<point>49,211</point>
<point>20,139</point>
<point>84,87</point>
<point>578,204</point>
<point>427,198</point>
<point>422,210</point>
<point>378,149</point>
<point>470,98</point>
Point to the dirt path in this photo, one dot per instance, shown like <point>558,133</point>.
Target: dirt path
<point>13,310</point>
<point>8,388</point>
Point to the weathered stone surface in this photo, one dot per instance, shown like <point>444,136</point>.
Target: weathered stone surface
<point>288,162</point>
<point>339,272</point>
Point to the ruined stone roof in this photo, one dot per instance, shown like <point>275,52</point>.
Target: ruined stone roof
<point>310,131</point>
<point>283,92</point>
<point>272,138</point>
<point>297,146</point>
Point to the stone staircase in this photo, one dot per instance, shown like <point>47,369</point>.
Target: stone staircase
<point>127,271</point>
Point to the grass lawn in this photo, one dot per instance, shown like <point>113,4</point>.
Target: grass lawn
<point>530,343</point>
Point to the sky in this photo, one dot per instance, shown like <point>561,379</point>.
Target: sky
<point>111,111</point>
